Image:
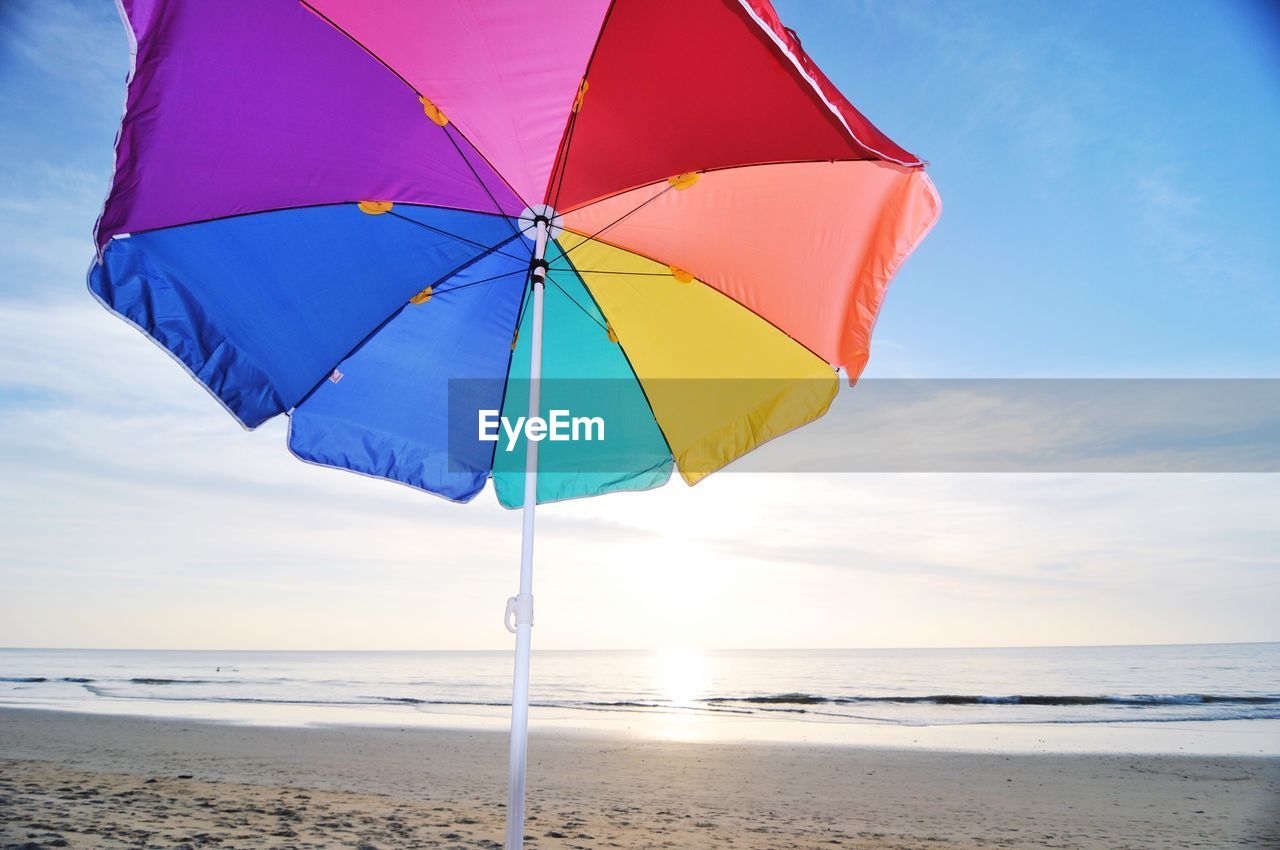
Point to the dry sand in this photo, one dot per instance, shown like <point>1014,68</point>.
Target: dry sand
<point>83,781</point>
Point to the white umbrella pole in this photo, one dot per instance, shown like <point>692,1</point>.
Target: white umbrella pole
<point>520,608</point>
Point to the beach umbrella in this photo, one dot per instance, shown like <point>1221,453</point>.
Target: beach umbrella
<point>407,225</point>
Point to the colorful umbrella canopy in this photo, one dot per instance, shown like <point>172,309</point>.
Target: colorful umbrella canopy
<point>351,212</point>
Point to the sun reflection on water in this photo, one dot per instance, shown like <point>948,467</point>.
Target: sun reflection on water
<point>680,679</point>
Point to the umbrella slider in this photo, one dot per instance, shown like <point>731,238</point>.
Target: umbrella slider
<point>538,268</point>
<point>519,612</point>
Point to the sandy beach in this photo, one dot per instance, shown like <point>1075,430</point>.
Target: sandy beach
<point>84,781</point>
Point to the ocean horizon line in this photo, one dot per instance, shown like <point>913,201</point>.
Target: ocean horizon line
<point>672,648</point>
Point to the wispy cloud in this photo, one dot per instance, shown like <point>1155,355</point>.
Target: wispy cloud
<point>135,511</point>
<point>71,41</point>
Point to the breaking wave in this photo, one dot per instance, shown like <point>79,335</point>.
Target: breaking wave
<point>1136,700</point>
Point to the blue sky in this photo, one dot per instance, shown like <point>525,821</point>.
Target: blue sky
<point>1111,207</point>
<point>1110,199</point>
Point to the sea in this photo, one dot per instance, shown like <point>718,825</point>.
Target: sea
<point>1205,698</point>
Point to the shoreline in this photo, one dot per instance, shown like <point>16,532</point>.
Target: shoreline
<point>1254,737</point>
<point>86,778</point>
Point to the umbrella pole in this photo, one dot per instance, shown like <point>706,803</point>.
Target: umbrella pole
<point>520,607</point>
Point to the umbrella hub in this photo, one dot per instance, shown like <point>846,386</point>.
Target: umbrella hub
<point>541,212</point>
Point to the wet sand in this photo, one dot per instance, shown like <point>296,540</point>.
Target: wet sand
<point>87,781</point>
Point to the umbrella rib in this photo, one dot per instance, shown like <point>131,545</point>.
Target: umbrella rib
<point>331,22</point>
<point>623,350</point>
<point>434,229</point>
<point>511,355</point>
<point>483,280</point>
<point>476,175</point>
<point>622,272</point>
<point>401,77</point>
<point>297,207</point>
<point>561,165</point>
<point>356,348</point>
<point>713,169</point>
<point>703,282</point>
<point>575,303</point>
<point>506,383</point>
<point>524,302</point>
<point>620,219</point>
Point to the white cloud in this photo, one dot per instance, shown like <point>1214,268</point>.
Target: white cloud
<point>75,42</point>
<point>134,511</point>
